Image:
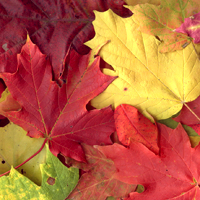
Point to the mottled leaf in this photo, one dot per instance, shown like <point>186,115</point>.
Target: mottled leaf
<point>191,27</point>
<point>161,21</point>
<point>57,182</point>
<point>98,181</point>
<point>16,147</point>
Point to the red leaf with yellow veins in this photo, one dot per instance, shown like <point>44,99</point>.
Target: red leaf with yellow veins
<point>59,113</point>
<point>98,182</point>
<point>174,174</point>
<point>132,126</point>
<point>191,27</point>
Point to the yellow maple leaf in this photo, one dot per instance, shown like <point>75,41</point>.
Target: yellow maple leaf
<point>147,79</point>
<point>16,147</point>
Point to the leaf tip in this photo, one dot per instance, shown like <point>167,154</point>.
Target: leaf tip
<point>28,38</point>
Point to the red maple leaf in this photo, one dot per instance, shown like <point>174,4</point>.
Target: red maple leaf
<point>59,113</point>
<point>132,126</point>
<point>190,115</point>
<point>174,174</point>
<point>55,24</point>
<point>98,181</point>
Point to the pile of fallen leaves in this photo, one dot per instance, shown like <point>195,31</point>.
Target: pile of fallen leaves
<point>99,99</point>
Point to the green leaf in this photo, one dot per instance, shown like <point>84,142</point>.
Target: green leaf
<point>136,2</point>
<point>111,198</point>
<point>57,182</point>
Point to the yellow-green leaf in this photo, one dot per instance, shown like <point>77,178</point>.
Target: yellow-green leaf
<point>7,103</point>
<point>147,79</point>
<point>57,182</point>
<point>16,147</point>
<point>4,95</point>
<point>136,2</point>
<point>161,21</point>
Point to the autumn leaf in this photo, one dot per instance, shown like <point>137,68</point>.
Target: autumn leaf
<point>193,135</point>
<point>136,2</point>
<point>148,80</point>
<point>190,26</point>
<point>16,147</point>
<point>190,115</point>
<point>57,182</point>
<point>7,103</point>
<point>150,69</point>
<point>132,127</point>
<point>98,182</point>
<point>3,95</point>
<point>54,26</point>
<point>59,113</point>
<point>161,21</point>
<point>171,123</point>
<point>176,165</point>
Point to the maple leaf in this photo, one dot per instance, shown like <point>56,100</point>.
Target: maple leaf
<point>193,136</point>
<point>161,21</point>
<point>190,26</point>
<point>57,182</point>
<point>148,80</point>
<point>59,113</point>
<point>176,165</point>
<point>190,115</point>
<point>16,147</point>
<point>98,181</point>
<point>53,25</point>
<point>132,126</point>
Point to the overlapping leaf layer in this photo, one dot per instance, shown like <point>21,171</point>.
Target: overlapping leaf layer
<point>99,111</point>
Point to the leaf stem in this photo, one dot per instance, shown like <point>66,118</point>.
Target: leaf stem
<point>28,158</point>
<point>191,111</point>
